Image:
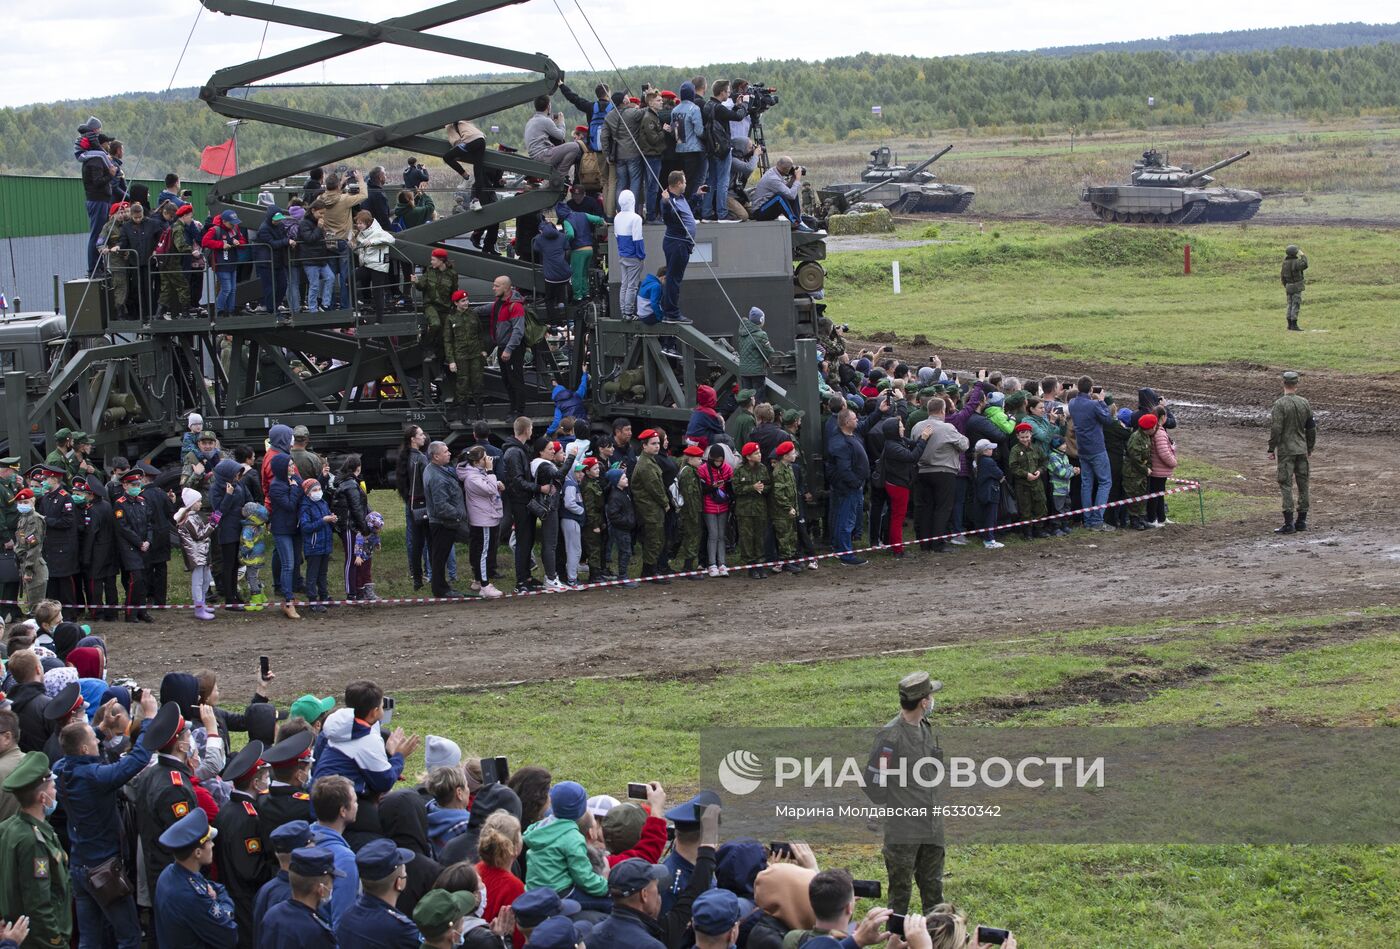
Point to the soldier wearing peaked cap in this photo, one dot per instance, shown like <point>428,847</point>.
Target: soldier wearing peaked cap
<point>33,867</point>
<point>914,844</point>
<point>286,798</point>
<point>10,486</point>
<point>191,911</point>
<point>291,836</point>
<point>164,792</point>
<point>1292,437</point>
<point>61,540</point>
<point>374,922</point>
<point>63,709</point>
<point>685,849</point>
<point>295,923</point>
<point>243,862</point>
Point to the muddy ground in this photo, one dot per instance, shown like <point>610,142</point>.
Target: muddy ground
<point>1349,559</point>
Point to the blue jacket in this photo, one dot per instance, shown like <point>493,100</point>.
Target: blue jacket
<point>230,505</point>
<point>316,533</point>
<point>569,403</point>
<point>679,220</point>
<point>345,888</point>
<point>88,789</point>
<point>355,750</point>
<point>552,252</point>
<point>293,925</point>
<point>285,516</point>
<point>625,929</point>
<point>850,466</point>
<point>578,221</point>
<point>688,122</point>
<point>373,924</point>
<point>1087,414</point>
<point>188,915</point>
<point>651,291</point>
<point>270,894</point>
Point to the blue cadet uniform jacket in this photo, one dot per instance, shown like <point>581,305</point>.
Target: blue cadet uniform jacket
<point>293,925</point>
<point>374,924</point>
<point>192,911</point>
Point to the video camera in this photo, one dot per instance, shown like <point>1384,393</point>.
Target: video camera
<point>762,98</point>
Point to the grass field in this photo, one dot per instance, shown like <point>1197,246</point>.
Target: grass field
<point>1118,294</point>
<point>1226,670</point>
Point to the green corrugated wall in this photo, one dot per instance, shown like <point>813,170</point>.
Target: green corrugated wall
<point>34,206</point>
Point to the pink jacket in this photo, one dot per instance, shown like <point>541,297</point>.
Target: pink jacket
<point>712,477</point>
<point>483,498</point>
<point>1163,461</point>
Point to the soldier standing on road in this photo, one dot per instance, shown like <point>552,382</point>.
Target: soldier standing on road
<point>1292,435</point>
<point>29,551</point>
<point>465,353</point>
<point>1294,263</point>
<point>651,501</point>
<point>913,845</point>
<point>10,486</point>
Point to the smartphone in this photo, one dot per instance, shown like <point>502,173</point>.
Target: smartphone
<point>780,848</point>
<point>636,791</point>
<point>1098,390</point>
<point>137,694</point>
<point>866,889</point>
<point>495,770</point>
<point>992,935</point>
<point>264,667</point>
<point>895,924</point>
<point>703,189</point>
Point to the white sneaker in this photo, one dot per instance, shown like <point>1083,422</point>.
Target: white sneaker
<point>811,565</point>
<point>723,570</point>
<point>475,205</point>
<point>1168,521</point>
<point>1155,524</point>
<point>992,544</point>
<point>490,592</point>
<point>552,585</point>
<point>958,541</point>
<point>476,586</point>
<point>714,571</point>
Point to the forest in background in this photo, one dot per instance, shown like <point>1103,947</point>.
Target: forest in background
<point>820,102</point>
<point>1316,36</point>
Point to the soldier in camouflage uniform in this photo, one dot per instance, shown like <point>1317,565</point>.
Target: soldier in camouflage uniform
<point>466,357</point>
<point>120,263</point>
<point>175,264</point>
<point>691,515</point>
<point>1292,437</point>
<point>595,524</point>
<point>10,485</point>
<point>29,551</point>
<point>437,285</point>
<point>650,500</point>
<point>34,879</point>
<point>751,481</point>
<point>1026,471</point>
<point>913,843</point>
<point>782,505</point>
<point>1294,263</point>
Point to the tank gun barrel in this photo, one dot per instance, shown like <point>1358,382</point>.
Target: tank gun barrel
<point>909,175</point>
<point>1217,166</point>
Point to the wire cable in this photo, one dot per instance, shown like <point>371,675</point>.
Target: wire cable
<point>185,48</point>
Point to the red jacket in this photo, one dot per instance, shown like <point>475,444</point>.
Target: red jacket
<point>650,844</point>
<point>502,887</point>
<point>220,243</point>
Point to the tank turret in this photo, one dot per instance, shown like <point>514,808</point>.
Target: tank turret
<point>1161,193</point>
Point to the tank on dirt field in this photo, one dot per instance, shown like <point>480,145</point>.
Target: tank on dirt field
<point>1161,193</point>
<point>903,189</point>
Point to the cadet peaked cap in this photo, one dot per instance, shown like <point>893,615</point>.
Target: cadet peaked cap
<point>715,912</point>
<point>189,830</point>
<point>290,750</point>
<point>535,906</point>
<point>293,835</point>
<point>313,862</point>
<point>379,858</point>
<point>687,814</point>
<point>248,760</point>
<point>632,875</point>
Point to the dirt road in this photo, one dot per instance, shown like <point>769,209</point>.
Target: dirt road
<point>1350,558</point>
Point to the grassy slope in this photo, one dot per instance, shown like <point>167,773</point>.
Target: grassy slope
<point>1118,293</point>
<point>1052,895</point>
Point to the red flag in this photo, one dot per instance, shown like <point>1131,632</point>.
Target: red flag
<point>221,160</point>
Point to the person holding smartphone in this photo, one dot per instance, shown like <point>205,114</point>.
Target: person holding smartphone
<point>1089,413</point>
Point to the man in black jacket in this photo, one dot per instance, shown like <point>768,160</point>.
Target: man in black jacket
<point>162,520</point>
<point>139,235</point>
<point>376,202</point>
<point>99,171</point>
<point>447,511</point>
<point>60,539</point>
<point>28,699</point>
<point>717,115</point>
<point>98,552</point>
<point>133,543</point>
<point>521,488</point>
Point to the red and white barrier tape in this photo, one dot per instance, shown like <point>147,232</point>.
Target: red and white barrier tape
<point>273,605</point>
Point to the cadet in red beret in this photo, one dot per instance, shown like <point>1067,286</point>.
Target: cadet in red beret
<point>1024,467</point>
<point>782,505</point>
<point>690,514</point>
<point>651,501</point>
<point>751,489</point>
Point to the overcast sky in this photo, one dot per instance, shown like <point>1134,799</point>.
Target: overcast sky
<point>71,49</point>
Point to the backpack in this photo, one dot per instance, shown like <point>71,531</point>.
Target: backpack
<point>340,507</point>
<point>166,244</point>
<point>596,117</point>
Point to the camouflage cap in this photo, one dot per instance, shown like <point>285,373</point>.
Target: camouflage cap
<point>301,431</point>
<point>83,438</point>
<point>916,685</point>
<point>1290,375</point>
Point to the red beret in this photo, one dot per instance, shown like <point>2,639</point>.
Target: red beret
<point>440,252</point>
<point>668,94</point>
<point>25,495</point>
<point>1148,422</point>
<point>693,451</point>
<point>555,446</point>
<point>184,209</point>
<point>458,295</point>
<point>784,448</point>
<point>750,448</point>
<point>580,128</point>
<point>1024,427</point>
<point>118,206</point>
<point>590,462</point>
<point>648,433</point>
<point>634,100</point>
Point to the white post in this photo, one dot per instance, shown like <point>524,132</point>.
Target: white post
<point>895,271</point>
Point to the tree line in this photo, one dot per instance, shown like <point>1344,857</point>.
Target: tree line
<point>823,101</point>
<point>1316,36</point>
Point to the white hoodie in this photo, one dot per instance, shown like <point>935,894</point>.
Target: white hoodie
<point>628,225</point>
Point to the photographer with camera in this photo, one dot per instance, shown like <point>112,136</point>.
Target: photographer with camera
<point>778,194</point>
<point>718,117</point>
<point>744,158</point>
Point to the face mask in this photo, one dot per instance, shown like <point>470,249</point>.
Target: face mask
<point>928,712</point>
<point>80,499</point>
<point>7,478</point>
<point>133,490</point>
<point>40,489</point>
<point>24,508</point>
<point>316,495</point>
<point>50,807</point>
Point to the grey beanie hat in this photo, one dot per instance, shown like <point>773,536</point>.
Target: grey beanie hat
<point>756,315</point>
